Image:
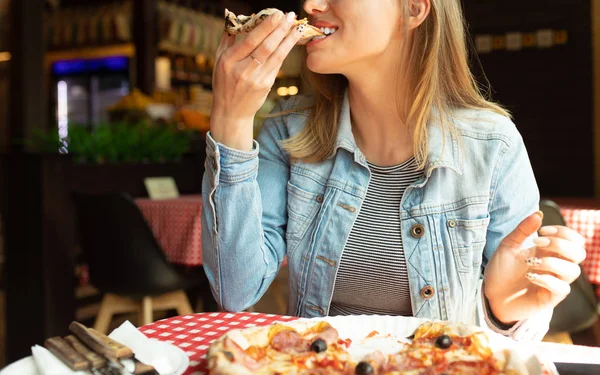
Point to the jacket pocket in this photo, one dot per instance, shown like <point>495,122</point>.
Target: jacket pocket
<point>468,241</point>
<point>302,207</point>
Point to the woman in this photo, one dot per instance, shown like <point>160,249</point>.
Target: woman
<point>392,193</point>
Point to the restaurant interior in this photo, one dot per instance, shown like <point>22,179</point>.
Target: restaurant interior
<point>112,99</point>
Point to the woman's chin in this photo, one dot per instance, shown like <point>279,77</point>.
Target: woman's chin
<point>319,66</point>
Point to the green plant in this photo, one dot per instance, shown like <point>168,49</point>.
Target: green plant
<point>119,143</point>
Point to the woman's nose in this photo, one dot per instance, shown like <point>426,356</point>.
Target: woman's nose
<point>315,6</point>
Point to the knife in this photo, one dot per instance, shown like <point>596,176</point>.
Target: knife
<point>100,343</point>
<point>96,360</point>
<point>69,356</point>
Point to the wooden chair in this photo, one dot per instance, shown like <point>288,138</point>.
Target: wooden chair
<point>125,261</point>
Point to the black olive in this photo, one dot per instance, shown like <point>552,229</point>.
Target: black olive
<point>443,342</point>
<point>364,368</point>
<point>318,346</point>
<point>228,355</point>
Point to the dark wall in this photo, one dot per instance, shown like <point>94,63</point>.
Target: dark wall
<point>213,6</point>
<point>40,234</point>
<point>549,91</point>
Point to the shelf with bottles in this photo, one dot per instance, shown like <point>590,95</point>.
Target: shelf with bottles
<point>190,70</point>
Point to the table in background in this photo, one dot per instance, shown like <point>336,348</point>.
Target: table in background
<point>583,216</point>
<point>194,334</point>
<point>176,224</point>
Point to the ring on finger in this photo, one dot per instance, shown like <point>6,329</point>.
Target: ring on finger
<point>256,60</point>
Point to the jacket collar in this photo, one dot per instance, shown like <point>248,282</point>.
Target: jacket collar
<point>444,149</point>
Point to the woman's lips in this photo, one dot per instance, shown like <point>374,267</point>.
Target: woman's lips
<point>328,33</point>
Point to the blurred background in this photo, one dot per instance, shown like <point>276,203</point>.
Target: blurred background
<point>113,97</point>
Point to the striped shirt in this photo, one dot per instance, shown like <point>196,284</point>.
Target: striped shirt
<point>372,277</point>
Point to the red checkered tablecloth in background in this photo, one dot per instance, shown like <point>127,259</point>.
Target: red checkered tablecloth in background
<point>587,223</point>
<point>194,333</point>
<point>176,224</point>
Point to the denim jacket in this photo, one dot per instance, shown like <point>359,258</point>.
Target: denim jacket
<point>260,207</point>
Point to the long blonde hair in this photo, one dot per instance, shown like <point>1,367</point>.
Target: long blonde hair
<point>438,75</point>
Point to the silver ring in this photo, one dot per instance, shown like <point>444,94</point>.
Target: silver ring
<point>257,60</point>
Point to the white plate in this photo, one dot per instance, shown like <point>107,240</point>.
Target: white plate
<point>357,327</point>
<point>25,366</point>
<point>177,357</point>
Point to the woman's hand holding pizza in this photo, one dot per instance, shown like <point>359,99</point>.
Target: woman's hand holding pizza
<point>519,282</point>
<point>243,75</point>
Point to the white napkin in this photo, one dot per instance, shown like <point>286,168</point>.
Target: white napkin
<point>48,364</point>
<point>146,350</point>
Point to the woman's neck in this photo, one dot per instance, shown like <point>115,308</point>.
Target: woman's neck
<point>377,124</point>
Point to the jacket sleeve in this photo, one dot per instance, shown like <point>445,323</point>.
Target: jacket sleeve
<point>514,196</point>
<point>244,216</point>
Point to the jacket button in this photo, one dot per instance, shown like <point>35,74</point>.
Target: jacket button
<point>427,292</point>
<point>417,230</point>
<point>320,199</point>
<point>452,223</point>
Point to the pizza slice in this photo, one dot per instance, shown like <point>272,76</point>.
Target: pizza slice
<point>301,348</point>
<point>443,348</point>
<point>244,24</point>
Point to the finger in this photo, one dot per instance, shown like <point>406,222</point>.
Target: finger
<point>524,230</point>
<point>277,57</point>
<point>563,232</point>
<point>272,42</point>
<point>561,247</point>
<point>225,42</point>
<point>242,50</point>
<point>563,269</point>
<point>558,288</point>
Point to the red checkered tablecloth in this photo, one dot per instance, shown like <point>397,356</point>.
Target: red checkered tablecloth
<point>587,223</point>
<point>176,224</point>
<point>194,333</point>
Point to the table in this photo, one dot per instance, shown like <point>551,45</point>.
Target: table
<point>176,224</point>
<point>194,333</point>
<point>585,219</point>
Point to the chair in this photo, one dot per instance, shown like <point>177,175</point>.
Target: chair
<point>125,261</point>
<point>579,311</point>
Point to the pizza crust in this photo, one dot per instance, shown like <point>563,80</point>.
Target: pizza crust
<point>219,364</point>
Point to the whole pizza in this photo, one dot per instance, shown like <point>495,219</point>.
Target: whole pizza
<point>315,347</point>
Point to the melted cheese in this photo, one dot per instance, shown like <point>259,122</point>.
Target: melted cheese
<point>239,338</point>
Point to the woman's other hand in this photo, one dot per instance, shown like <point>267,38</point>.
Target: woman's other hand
<point>243,76</point>
<point>519,282</point>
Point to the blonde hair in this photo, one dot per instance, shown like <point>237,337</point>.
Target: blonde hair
<point>438,75</point>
